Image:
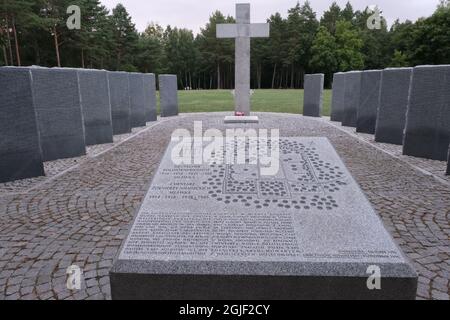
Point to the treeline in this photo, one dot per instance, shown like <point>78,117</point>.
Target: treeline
<point>34,32</point>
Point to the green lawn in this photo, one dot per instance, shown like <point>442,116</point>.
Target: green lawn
<point>285,101</point>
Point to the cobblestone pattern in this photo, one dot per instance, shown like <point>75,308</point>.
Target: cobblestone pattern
<point>82,216</point>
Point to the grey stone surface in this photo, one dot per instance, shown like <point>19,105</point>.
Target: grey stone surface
<point>368,101</point>
<point>138,112</point>
<point>337,100</point>
<point>427,132</point>
<point>391,116</point>
<point>225,231</point>
<point>95,99</point>
<point>241,119</point>
<point>150,97</point>
<point>351,98</point>
<point>120,102</point>
<point>168,91</point>
<point>242,31</point>
<point>58,109</point>
<point>313,97</point>
<point>20,152</point>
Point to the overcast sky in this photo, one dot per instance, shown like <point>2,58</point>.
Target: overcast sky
<point>193,14</point>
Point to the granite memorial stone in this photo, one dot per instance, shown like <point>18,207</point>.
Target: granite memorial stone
<point>351,98</point>
<point>391,116</point>
<point>150,97</point>
<point>242,32</point>
<point>168,91</point>
<point>225,231</point>
<point>94,90</point>
<point>120,102</point>
<point>368,101</point>
<point>138,112</point>
<point>59,112</point>
<point>427,132</point>
<point>313,95</point>
<point>20,152</point>
<point>337,101</point>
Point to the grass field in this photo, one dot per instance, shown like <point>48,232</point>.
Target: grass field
<point>284,101</point>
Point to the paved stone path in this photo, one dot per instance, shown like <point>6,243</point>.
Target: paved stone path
<point>80,215</point>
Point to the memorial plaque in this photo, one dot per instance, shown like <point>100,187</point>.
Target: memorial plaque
<point>150,97</point>
<point>168,91</point>
<point>120,102</point>
<point>368,101</point>
<point>337,102</point>
<point>94,90</point>
<point>137,100</point>
<point>313,95</point>
<point>20,152</point>
<point>427,132</point>
<point>351,98</point>
<point>58,109</point>
<point>224,231</point>
<point>391,115</point>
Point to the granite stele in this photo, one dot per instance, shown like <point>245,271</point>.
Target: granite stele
<point>393,98</point>
<point>351,98</point>
<point>94,90</point>
<point>337,100</point>
<point>137,100</point>
<point>168,91</point>
<point>150,97</point>
<point>224,231</point>
<point>312,105</point>
<point>427,132</point>
<point>120,102</point>
<point>58,109</point>
<point>368,101</point>
<point>20,153</point>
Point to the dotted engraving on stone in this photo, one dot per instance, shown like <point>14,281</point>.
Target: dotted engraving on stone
<point>308,182</point>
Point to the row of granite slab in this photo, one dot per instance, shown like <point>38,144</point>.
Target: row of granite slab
<point>402,106</point>
<point>48,114</point>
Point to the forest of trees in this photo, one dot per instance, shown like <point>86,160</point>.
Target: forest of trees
<point>34,32</point>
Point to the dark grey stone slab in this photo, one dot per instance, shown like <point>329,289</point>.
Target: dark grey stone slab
<point>94,90</point>
<point>168,91</point>
<point>225,231</point>
<point>351,98</point>
<point>58,109</point>
<point>120,102</point>
<point>448,161</point>
<point>150,97</point>
<point>427,133</point>
<point>313,96</point>
<point>368,101</point>
<point>393,103</point>
<point>137,100</point>
<point>20,152</point>
<point>337,101</point>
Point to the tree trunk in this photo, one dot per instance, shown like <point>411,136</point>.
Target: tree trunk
<point>82,58</point>
<point>16,43</point>
<point>58,59</point>
<point>259,75</point>
<point>218,76</point>
<point>5,55</point>
<point>292,77</point>
<point>273,75</point>
<point>8,38</point>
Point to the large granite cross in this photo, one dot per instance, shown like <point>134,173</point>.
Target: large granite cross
<point>242,31</point>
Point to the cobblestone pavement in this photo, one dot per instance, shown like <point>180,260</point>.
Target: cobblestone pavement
<point>80,215</point>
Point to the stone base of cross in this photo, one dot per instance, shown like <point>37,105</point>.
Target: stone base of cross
<point>242,31</point>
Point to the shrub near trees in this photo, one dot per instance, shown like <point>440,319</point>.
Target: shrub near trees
<point>35,32</point>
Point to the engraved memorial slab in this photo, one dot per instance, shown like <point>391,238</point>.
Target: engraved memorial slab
<point>225,231</point>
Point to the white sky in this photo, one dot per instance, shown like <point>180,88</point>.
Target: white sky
<point>193,14</point>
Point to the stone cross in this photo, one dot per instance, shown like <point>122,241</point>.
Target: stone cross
<point>242,31</point>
